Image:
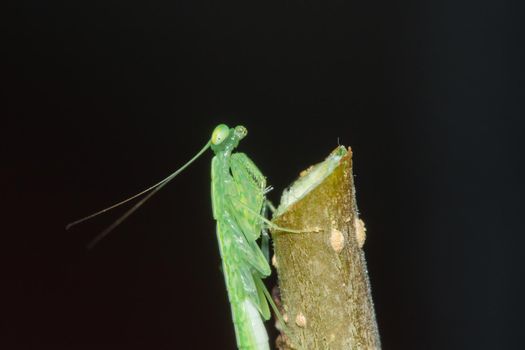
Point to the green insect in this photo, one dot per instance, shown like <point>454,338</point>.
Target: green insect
<point>239,204</point>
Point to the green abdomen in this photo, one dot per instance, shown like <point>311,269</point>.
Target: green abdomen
<point>249,327</point>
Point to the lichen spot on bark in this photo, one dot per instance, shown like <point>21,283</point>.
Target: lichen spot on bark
<point>337,240</point>
<point>360,232</point>
<point>300,320</point>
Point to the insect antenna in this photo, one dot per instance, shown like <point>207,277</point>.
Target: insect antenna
<point>152,190</point>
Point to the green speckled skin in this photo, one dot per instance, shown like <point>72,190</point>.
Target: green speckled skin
<point>236,180</point>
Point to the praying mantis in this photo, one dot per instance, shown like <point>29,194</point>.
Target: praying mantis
<point>239,204</point>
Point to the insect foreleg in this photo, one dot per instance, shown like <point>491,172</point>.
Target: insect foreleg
<point>240,162</point>
<point>249,249</point>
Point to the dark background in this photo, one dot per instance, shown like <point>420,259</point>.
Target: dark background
<point>105,98</point>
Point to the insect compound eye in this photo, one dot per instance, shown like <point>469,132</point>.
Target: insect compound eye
<point>241,131</point>
<point>220,134</point>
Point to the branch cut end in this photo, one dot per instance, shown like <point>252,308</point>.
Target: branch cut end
<point>310,179</point>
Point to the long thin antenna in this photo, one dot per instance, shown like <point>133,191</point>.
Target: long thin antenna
<point>154,189</point>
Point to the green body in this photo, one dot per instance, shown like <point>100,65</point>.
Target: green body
<point>238,198</point>
<point>238,191</point>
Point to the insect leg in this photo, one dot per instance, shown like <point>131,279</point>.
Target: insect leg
<point>262,288</point>
<point>269,223</point>
<point>241,163</point>
<point>270,205</point>
<point>265,238</point>
<point>249,250</point>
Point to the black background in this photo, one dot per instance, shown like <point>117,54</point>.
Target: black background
<point>105,98</point>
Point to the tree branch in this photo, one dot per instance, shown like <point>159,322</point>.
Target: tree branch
<point>325,291</point>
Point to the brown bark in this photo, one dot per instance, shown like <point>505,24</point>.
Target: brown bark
<point>323,279</point>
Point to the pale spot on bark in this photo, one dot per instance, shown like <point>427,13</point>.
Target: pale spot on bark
<point>337,240</point>
<point>360,232</point>
<point>274,261</point>
<point>300,320</point>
